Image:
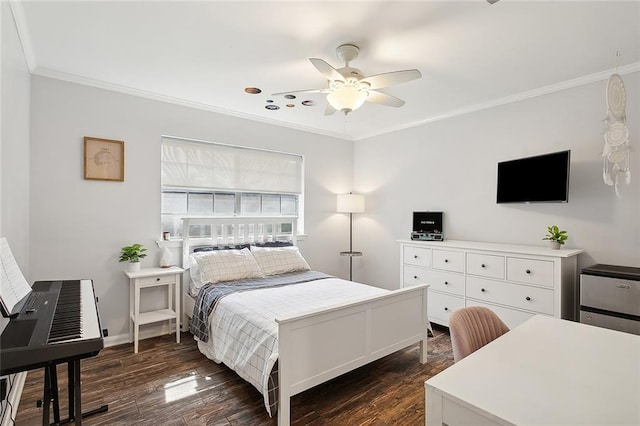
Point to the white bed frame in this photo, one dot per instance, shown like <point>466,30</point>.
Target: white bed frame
<point>322,344</point>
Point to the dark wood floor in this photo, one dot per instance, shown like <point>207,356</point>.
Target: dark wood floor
<point>174,384</point>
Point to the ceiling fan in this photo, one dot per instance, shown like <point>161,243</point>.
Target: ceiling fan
<point>348,89</point>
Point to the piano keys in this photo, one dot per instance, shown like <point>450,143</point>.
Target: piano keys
<point>59,321</point>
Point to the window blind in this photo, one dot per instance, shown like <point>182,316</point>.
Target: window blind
<point>196,165</point>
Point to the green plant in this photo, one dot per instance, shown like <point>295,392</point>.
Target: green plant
<point>133,253</point>
<point>555,234</point>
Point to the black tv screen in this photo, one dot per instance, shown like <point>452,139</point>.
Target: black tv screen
<point>539,179</point>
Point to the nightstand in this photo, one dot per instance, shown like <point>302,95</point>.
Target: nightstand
<point>153,277</point>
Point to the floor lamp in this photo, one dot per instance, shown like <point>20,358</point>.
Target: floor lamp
<point>350,203</point>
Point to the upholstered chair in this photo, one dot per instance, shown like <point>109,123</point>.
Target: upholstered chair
<point>473,327</point>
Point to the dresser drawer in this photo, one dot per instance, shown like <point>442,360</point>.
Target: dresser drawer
<point>511,317</point>
<point>413,275</point>
<point>418,256</point>
<point>447,282</point>
<point>485,265</point>
<point>519,296</point>
<point>440,306</point>
<point>530,271</point>
<point>157,280</point>
<point>448,260</point>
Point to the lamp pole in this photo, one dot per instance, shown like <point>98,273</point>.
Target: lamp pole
<point>350,203</point>
<point>351,246</point>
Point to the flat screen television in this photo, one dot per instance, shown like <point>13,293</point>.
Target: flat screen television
<point>538,179</point>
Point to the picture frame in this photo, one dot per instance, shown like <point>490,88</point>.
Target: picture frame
<point>103,159</point>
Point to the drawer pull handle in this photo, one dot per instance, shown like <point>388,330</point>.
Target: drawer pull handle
<point>528,299</point>
<point>415,277</point>
<point>528,271</point>
<point>415,256</point>
<point>446,283</point>
<point>446,309</point>
<point>483,266</point>
<point>446,261</point>
<point>157,279</point>
<point>482,290</point>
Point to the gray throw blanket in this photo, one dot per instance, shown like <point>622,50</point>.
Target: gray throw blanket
<point>210,294</point>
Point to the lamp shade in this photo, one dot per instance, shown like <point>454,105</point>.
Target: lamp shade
<point>350,203</point>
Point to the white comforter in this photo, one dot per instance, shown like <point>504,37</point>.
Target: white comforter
<point>243,332</point>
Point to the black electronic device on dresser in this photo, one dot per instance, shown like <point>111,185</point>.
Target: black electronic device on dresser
<point>428,226</point>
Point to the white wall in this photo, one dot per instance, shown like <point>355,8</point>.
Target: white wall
<point>14,146</point>
<point>451,165</point>
<point>15,86</point>
<point>78,226</point>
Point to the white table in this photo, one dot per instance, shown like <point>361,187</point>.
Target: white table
<point>546,371</point>
<point>153,277</point>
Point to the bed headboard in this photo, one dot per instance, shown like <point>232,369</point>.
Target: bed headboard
<point>235,230</point>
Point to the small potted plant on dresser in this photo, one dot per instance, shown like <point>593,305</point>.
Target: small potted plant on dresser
<point>133,254</point>
<point>555,236</point>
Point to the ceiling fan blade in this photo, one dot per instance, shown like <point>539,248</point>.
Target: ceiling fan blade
<point>301,91</point>
<point>329,110</point>
<point>379,81</point>
<point>327,70</point>
<point>384,99</point>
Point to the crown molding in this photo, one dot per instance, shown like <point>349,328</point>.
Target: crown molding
<point>71,78</point>
<point>17,10</point>
<point>546,90</point>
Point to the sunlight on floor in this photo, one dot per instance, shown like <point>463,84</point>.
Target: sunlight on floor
<point>182,388</point>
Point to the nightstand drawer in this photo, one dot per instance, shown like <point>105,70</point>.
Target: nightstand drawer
<point>485,265</point>
<point>157,280</point>
<point>448,260</point>
<point>530,271</point>
<point>418,256</point>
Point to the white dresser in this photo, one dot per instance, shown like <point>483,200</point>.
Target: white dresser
<point>514,281</point>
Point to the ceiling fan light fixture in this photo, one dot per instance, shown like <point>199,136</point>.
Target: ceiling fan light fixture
<point>347,98</point>
<point>348,88</point>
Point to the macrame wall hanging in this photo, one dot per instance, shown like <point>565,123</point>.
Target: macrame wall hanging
<point>615,166</point>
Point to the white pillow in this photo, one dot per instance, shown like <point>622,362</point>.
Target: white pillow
<point>194,271</point>
<point>223,265</point>
<point>279,260</point>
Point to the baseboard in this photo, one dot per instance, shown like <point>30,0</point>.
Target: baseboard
<point>151,330</point>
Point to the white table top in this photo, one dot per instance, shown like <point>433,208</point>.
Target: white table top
<point>147,272</point>
<point>552,372</point>
<point>541,250</point>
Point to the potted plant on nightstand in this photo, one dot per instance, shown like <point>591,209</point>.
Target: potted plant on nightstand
<point>133,254</point>
<point>555,236</point>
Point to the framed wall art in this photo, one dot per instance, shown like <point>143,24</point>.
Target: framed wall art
<point>103,159</point>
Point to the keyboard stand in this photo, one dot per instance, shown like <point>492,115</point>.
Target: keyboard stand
<point>51,396</point>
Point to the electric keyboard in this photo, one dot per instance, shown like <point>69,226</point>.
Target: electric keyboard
<point>59,322</point>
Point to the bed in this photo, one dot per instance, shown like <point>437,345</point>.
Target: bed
<point>293,328</point>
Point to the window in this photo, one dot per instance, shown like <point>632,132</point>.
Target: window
<point>207,179</point>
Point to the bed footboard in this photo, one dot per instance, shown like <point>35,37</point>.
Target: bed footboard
<point>320,345</point>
